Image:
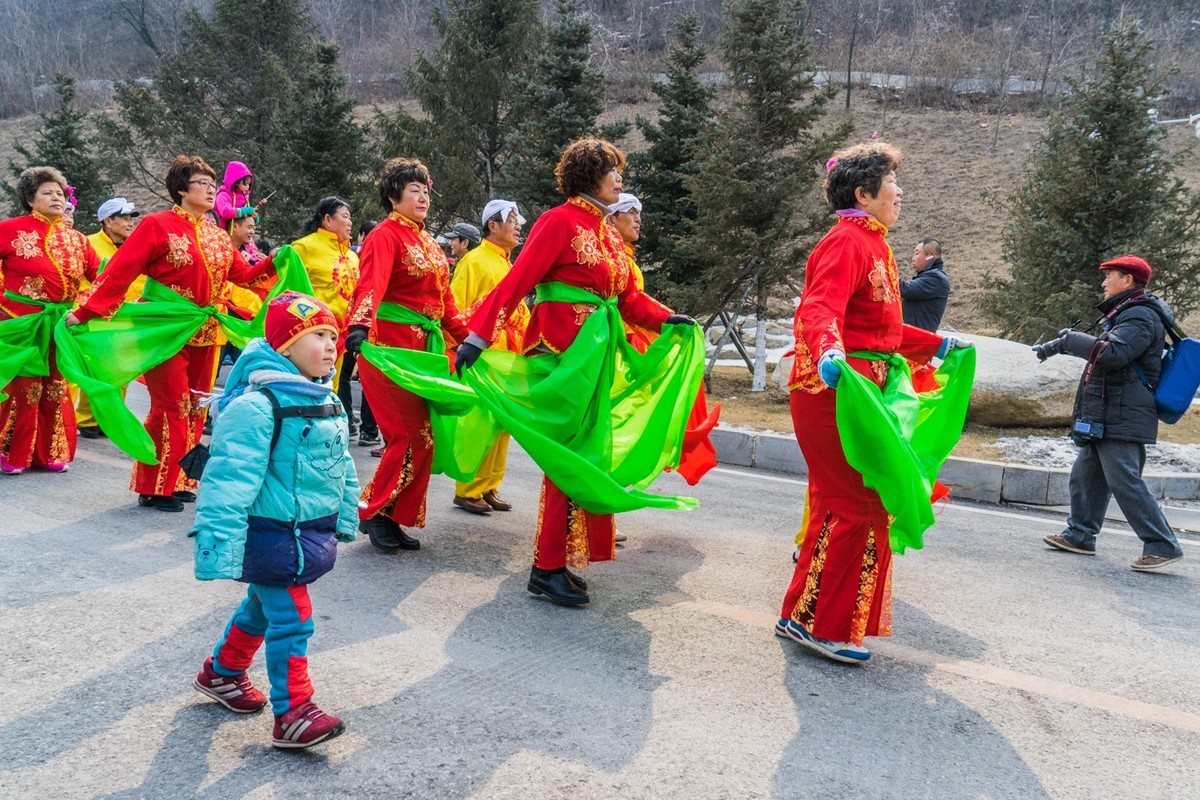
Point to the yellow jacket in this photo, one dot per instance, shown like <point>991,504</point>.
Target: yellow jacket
<point>475,275</point>
<point>332,268</point>
<point>105,248</point>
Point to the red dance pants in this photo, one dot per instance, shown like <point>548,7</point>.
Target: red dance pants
<point>176,419</point>
<point>841,589</point>
<point>401,480</point>
<point>37,422</point>
<point>568,536</point>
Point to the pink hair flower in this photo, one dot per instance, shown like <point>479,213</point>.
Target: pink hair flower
<point>875,134</point>
<point>70,192</point>
<point>830,164</point>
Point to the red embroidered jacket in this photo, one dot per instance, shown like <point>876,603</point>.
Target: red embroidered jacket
<point>44,260</point>
<point>188,255</point>
<point>851,301</point>
<point>570,244</point>
<point>401,263</point>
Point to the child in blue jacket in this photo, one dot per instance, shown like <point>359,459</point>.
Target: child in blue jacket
<point>277,494</point>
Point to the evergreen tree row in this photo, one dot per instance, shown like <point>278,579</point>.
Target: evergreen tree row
<point>728,180</point>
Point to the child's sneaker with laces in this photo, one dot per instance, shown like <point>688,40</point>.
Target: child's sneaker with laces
<point>305,726</point>
<point>235,692</point>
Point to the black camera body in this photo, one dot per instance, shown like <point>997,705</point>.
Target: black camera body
<point>1085,430</point>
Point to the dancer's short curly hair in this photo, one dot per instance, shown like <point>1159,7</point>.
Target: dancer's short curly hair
<point>395,175</point>
<point>859,166</point>
<point>32,178</point>
<point>584,163</point>
<point>182,170</point>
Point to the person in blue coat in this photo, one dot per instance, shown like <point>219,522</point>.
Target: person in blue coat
<point>276,496</point>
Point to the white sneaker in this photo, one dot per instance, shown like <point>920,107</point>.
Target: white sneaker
<point>845,652</point>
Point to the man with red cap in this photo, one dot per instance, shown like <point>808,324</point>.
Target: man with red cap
<point>1115,416</point>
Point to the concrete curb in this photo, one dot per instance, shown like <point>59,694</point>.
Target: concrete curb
<point>970,478</point>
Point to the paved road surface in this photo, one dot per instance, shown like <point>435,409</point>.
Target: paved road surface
<point>1014,671</point>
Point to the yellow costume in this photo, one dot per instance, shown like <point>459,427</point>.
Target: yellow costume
<point>332,269</point>
<point>475,275</point>
<point>106,249</point>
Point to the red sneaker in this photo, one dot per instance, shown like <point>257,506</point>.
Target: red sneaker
<point>305,726</point>
<point>235,692</point>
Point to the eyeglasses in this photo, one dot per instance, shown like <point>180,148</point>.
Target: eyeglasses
<point>205,182</point>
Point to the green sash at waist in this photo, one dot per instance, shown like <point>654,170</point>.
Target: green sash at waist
<point>463,431</point>
<point>435,341</point>
<point>25,340</point>
<point>899,439</point>
<point>103,355</point>
<point>601,419</point>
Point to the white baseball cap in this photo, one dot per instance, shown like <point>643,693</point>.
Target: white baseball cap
<point>115,206</point>
<point>624,203</point>
<point>502,207</point>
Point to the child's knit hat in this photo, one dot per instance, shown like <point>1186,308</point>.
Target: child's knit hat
<point>291,315</point>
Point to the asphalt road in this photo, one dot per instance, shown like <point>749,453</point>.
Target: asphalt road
<point>1014,671</point>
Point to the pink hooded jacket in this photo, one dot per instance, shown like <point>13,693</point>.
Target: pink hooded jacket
<point>228,202</point>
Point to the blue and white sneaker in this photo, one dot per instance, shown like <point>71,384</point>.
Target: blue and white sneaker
<point>845,652</point>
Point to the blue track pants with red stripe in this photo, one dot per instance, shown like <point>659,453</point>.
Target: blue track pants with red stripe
<point>282,616</point>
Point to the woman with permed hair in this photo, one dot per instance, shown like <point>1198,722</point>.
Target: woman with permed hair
<point>184,254</point>
<point>841,588</point>
<point>403,297</point>
<point>570,245</point>
<point>42,262</point>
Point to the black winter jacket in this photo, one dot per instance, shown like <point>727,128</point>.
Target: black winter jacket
<point>923,297</point>
<point>1110,390</point>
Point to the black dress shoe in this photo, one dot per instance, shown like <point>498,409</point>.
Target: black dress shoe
<point>185,497</point>
<point>557,586</point>
<point>90,431</point>
<point>578,581</point>
<point>381,534</point>
<point>406,542</point>
<point>160,502</point>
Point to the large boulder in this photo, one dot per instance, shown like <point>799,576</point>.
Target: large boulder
<point>1013,389</point>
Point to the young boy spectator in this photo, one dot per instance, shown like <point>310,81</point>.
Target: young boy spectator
<point>276,496</point>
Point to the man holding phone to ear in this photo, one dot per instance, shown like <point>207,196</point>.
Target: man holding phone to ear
<point>923,297</point>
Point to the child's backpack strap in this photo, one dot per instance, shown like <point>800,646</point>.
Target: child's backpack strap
<point>279,413</point>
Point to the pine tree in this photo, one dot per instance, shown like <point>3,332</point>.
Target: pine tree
<point>659,175</point>
<point>64,141</point>
<point>325,150</point>
<point>753,183</point>
<point>1099,185</point>
<point>561,103</point>
<point>233,90</point>
<point>466,88</point>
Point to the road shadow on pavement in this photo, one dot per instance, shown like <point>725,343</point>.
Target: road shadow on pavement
<point>880,730</point>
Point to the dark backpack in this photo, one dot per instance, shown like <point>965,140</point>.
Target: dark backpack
<point>194,460</point>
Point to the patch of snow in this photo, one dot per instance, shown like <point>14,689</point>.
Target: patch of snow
<point>1046,451</point>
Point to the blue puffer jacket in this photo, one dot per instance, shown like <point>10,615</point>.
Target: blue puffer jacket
<point>274,521</point>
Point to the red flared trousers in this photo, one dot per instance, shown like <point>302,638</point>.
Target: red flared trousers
<point>37,423</point>
<point>176,418</point>
<point>401,480</point>
<point>841,589</point>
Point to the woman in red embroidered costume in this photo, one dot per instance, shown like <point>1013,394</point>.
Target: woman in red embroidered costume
<point>42,261</point>
<point>572,244</point>
<point>182,250</point>
<point>841,588</point>
<point>403,292</point>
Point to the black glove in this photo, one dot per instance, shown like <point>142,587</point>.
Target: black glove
<point>680,319</point>
<point>355,337</point>
<point>468,354</point>
<point>1051,348</point>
